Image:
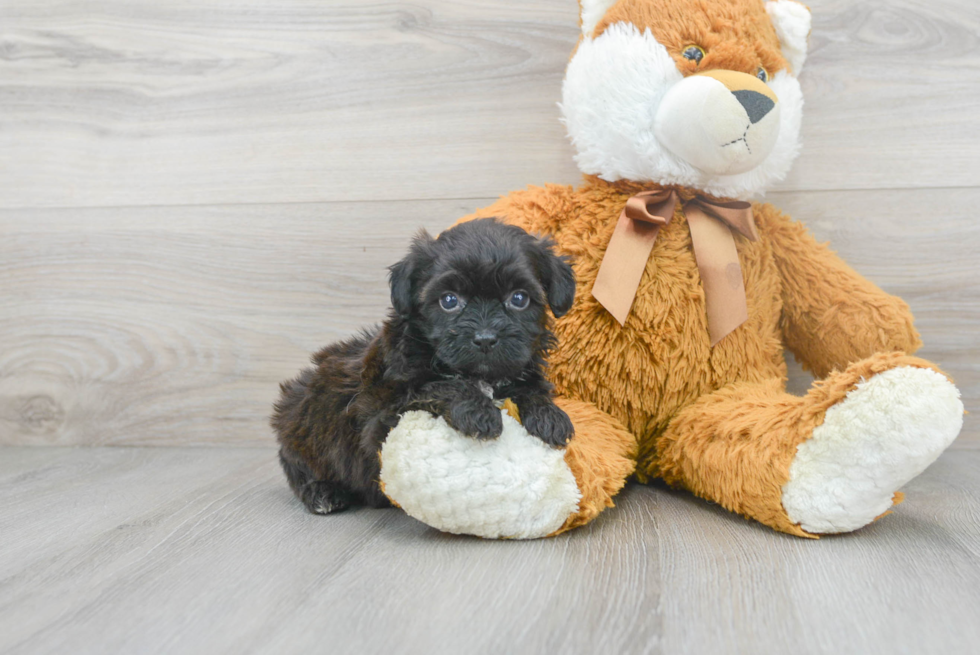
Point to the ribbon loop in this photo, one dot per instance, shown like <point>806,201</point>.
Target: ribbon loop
<point>711,223</point>
<point>655,207</point>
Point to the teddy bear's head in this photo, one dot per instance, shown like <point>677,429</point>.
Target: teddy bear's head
<point>697,93</point>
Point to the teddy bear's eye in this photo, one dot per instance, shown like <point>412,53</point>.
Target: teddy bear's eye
<point>694,53</point>
<point>762,74</point>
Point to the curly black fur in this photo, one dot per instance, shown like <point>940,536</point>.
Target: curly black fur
<point>333,418</point>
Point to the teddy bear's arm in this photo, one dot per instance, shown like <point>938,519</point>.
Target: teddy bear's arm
<point>832,316</point>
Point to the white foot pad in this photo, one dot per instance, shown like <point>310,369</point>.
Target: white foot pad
<point>512,487</point>
<point>884,433</point>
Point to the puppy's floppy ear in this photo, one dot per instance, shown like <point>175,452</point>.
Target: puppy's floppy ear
<point>403,275</point>
<point>556,276</point>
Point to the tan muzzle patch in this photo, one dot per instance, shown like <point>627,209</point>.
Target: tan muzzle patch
<point>736,81</point>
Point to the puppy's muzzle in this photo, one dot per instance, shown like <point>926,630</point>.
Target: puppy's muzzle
<point>485,340</point>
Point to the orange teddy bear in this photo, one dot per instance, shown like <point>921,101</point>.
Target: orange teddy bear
<point>670,362</point>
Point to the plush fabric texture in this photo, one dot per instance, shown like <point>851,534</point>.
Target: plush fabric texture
<point>591,12</point>
<point>602,455</point>
<point>653,394</point>
<point>644,376</point>
<point>513,487</point>
<point>611,106</point>
<point>792,22</point>
<point>700,112</point>
<point>716,421</point>
<point>736,446</point>
<point>735,34</point>
<point>886,431</point>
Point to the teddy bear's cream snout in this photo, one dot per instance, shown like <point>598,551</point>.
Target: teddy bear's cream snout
<point>721,122</point>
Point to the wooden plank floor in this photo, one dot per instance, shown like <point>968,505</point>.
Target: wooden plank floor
<point>141,102</point>
<point>182,550</point>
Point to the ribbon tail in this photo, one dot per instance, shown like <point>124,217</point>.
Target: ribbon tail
<point>623,265</point>
<point>721,273</point>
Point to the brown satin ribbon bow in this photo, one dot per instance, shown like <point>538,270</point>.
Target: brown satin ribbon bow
<point>711,225</point>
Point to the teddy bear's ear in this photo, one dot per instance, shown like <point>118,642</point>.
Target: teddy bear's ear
<point>792,22</point>
<point>592,13</point>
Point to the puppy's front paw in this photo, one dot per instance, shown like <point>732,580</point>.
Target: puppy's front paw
<point>476,418</point>
<point>547,422</point>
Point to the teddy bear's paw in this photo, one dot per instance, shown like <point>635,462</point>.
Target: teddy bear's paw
<point>512,487</point>
<point>885,432</point>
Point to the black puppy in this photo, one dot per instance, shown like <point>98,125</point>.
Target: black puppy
<point>468,318</point>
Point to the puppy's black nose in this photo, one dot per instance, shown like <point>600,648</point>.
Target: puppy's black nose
<point>485,340</point>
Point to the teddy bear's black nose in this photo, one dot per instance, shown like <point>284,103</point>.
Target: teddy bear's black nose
<point>485,340</point>
<point>756,105</point>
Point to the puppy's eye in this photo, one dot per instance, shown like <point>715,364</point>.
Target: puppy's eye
<point>449,302</point>
<point>519,300</point>
<point>694,53</point>
<point>762,74</point>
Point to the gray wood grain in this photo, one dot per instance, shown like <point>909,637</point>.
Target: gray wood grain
<point>173,326</point>
<point>104,102</point>
<point>907,584</point>
<point>125,550</point>
<point>177,324</point>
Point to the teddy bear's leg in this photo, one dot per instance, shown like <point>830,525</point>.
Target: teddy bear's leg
<point>831,461</point>
<point>601,456</point>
